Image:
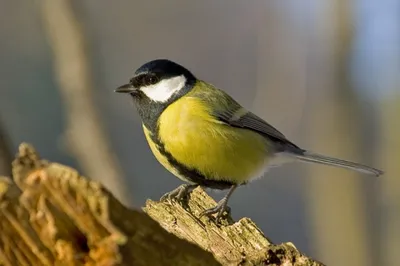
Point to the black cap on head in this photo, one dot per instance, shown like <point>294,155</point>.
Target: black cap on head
<point>164,68</point>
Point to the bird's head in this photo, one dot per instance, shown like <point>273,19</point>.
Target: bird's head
<point>160,81</point>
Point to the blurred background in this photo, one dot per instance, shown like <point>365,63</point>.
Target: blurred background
<point>325,73</point>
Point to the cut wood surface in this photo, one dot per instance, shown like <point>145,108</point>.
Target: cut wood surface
<point>51,215</point>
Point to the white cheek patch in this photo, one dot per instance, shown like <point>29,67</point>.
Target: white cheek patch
<point>164,89</point>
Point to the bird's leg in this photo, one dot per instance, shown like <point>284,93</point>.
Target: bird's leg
<point>180,193</point>
<point>221,206</point>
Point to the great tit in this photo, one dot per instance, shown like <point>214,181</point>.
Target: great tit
<point>204,137</point>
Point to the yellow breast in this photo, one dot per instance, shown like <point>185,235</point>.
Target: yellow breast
<point>216,150</point>
<point>161,158</point>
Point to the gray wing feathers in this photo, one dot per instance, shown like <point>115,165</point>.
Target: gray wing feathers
<point>251,121</point>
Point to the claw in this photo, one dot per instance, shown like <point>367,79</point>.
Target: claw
<point>181,193</point>
<point>219,209</point>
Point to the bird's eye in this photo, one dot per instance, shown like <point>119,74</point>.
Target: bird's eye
<point>150,79</point>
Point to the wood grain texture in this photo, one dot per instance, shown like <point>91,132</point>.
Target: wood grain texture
<point>51,215</point>
<point>232,243</point>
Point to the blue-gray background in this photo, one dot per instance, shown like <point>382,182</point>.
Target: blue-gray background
<point>326,73</point>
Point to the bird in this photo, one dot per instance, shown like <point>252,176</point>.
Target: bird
<point>203,136</point>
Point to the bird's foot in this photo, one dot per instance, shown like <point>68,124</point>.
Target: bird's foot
<point>219,209</point>
<point>180,194</point>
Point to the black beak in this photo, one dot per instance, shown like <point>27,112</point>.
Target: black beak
<point>127,88</point>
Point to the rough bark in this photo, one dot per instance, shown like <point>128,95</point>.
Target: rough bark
<point>51,215</point>
<point>232,243</point>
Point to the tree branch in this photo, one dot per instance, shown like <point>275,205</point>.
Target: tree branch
<point>52,215</point>
<point>232,243</point>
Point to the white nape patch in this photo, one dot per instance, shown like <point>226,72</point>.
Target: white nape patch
<point>163,90</point>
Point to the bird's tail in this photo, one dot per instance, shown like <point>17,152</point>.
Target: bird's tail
<point>322,159</point>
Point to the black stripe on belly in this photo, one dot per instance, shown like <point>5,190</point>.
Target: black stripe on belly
<point>191,174</point>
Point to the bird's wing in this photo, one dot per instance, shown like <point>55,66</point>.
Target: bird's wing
<point>244,119</point>
<point>226,110</point>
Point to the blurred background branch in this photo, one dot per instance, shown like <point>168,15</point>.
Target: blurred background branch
<point>85,135</point>
<point>334,130</point>
<point>389,196</point>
